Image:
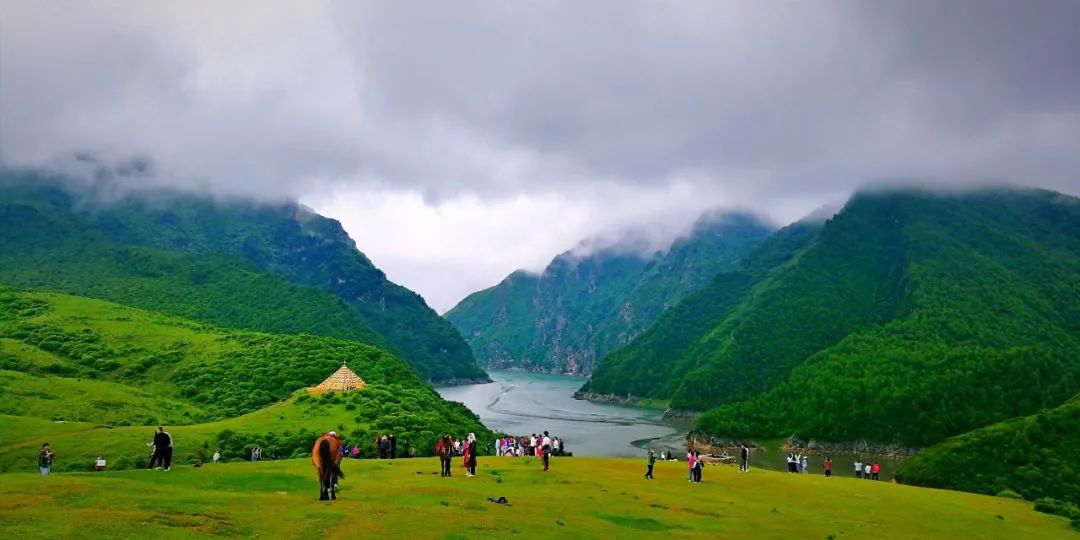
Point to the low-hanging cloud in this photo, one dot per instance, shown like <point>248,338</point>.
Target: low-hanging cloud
<point>777,106</point>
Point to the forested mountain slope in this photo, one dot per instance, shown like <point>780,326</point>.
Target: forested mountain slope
<point>271,268</point>
<point>1036,456</point>
<point>909,317</point>
<point>583,306</point>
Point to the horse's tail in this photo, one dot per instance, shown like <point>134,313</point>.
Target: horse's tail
<point>328,463</point>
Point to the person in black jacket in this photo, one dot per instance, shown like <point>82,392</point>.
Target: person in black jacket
<point>163,449</point>
<point>45,459</point>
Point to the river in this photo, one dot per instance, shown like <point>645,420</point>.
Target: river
<point>521,403</point>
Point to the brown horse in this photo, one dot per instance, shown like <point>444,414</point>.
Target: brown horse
<point>327,460</point>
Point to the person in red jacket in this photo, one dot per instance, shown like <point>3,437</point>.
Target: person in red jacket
<point>875,470</point>
<point>827,465</point>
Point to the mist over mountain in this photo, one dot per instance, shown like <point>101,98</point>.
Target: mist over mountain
<point>908,317</point>
<point>233,262</point>
<point>597,296</point>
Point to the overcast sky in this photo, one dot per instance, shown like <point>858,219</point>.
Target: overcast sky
<point>458,141</point>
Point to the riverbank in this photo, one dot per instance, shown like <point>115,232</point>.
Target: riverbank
<point>578,498</point>
<point>522,403</point>
<point>449,383</point>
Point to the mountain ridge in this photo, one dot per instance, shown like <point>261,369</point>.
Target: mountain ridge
<point>47,226</point>
<point>915,294</point>
<point>587,301</point>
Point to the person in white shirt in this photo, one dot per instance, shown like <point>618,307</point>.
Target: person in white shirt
<point>217,456</point>
<point>858,469</point>
<point>545,447</point>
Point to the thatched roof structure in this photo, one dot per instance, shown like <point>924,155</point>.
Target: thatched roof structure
<point>341,380</point>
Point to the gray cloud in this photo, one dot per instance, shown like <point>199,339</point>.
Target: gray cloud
<point>778,106</point>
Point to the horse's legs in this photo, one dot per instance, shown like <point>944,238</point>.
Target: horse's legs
<point>323,494</point>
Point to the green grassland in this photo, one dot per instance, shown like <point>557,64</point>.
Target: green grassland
<point>284,429</point>
<point>579,498</point>
<point>94,377</point>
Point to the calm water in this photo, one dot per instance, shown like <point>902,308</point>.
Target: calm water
<point>523,403</point>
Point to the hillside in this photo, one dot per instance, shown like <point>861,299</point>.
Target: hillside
<point>99,366</point>
<point>281,269</point>
<point>583,306</point>
<point>579,498</point>
<point>908,318</point>
<point>1036,456</point>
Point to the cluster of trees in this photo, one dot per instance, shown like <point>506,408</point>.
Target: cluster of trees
<point>416,418</point>
<point>161,369</point>
<point>266,368</point>
<point>1036,457</point>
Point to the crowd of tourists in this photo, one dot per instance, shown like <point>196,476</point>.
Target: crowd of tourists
<point>531,445</point>
<point>468,448</point>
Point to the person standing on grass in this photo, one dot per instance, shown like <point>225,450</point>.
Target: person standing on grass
<point>217,456</point>
<point>163,450</point>
<point>545,449</point>
<point>805,465</point>
<point>470,455</point>
<point>45,459</point>
<point>690,465</point>
<point>866,471</point>
<point>699,466</point>
<point>652,463</point>
<point>827,465</point>
<point>875,470</point>
<point>744,458</point>
<point>858,469</point>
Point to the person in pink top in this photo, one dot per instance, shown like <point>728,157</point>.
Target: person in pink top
<point>690,465</point>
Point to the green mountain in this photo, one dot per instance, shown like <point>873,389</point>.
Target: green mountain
<point>281,269</point>
<point>1036,456</point>
<point>77,370</point>
<point>907,318</point>
<point>583,306</point>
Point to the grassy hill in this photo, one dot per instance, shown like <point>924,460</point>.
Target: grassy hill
<point>579,498</point>
<point>105,369</point>
<point>1035,456</point>
<point>907,318</point>
<point>237,264</point>
<point>583,306</point>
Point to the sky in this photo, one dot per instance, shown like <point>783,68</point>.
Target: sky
<point>459,141</point>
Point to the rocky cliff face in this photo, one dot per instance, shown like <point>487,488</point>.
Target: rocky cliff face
<point>581,307</point>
